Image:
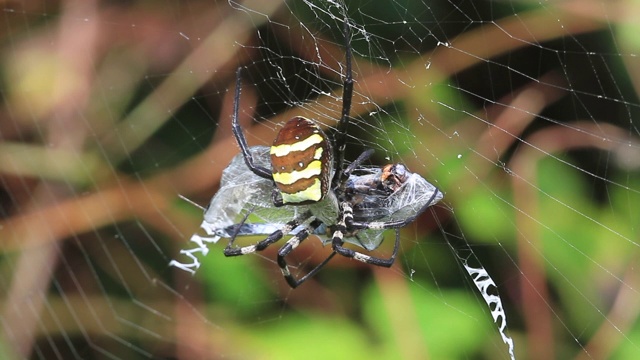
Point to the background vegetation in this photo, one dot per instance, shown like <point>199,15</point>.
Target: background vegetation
<point>524,114</point>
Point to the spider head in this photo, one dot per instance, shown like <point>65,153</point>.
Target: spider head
<point>302,162</point>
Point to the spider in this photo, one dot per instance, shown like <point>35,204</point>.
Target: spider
<point>310,182</point>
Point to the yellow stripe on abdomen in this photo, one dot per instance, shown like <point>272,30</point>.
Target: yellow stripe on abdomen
<point>285,149</point>
<point>314,169</point>
<point>311,193</point>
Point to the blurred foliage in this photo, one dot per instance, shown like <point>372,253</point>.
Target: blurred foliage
<point>112,109</point>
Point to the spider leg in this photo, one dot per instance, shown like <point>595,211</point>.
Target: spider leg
<point>381,225</point>
<point>357,162</point>
<point>261,245</point>
<point>347,94</point>
<point>242,141</point>
<point>338,247</point>
<point>276,197</point>
<point>347,221</point>
<point>337,243</point>
<point>287,248</point>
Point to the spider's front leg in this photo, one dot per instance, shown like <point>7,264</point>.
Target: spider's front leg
<point>239,135</point>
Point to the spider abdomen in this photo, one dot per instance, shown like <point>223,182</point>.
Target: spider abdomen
<point>302,162</point>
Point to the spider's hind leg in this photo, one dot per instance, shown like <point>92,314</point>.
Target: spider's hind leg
<point>337,243</point>
<point>289,247</point>
<point>261,245</point>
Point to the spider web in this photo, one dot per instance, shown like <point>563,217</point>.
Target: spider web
<point>521,112</point>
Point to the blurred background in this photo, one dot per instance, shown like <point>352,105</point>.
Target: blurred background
<point>525,114</point>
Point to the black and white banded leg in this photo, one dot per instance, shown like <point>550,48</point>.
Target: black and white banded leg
<point>337,242</point>
<point>338,247</point>
<point>382,225</point>
<point>347,223</point>
<point>291,245</point>
<point>272,238</point>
